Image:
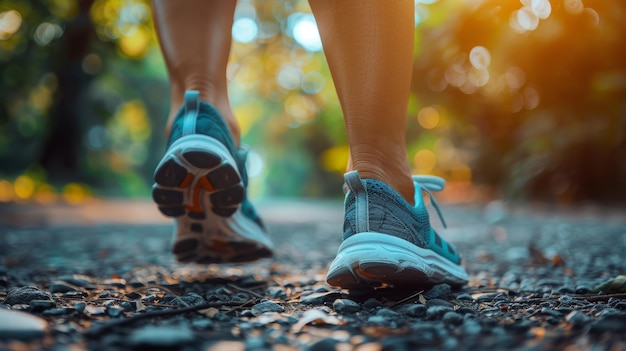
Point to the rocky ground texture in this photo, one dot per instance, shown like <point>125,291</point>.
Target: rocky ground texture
<point>541,279</point>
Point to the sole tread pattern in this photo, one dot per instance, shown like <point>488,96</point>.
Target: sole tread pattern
<point>202,191</point>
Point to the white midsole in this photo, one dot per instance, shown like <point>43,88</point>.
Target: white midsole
<point>378,248</point>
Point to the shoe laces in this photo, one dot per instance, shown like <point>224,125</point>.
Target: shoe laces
<point>428,184</point>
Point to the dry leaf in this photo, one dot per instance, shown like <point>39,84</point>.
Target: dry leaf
<point>612,286</point>
<point>315,317</point>
<point>379,331</point>
<point>537,258</point>
<point>209,312</point>
<point>421,299</point>
<point>558,261</point>
<point>140,307</point>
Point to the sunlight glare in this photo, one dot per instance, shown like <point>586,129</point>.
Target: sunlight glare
<point>478,77</point>
<point>527,19</point>
<point>6,191</point>
<point>305,32</point>
<point>245,30</point>
<point>541,8</point>
<point>425,161</point>
<point>10,22</point>
<point>455,75</point>
<point>515,78</point>
<point>480,57</point>
<point>289,77</point>
<point>574,7</point>
<point>47,32</point>
<point>255,164</point>
<point>593,15</point>
<point>428,117</point>
<point>24,187</point>
<point>531,98</point>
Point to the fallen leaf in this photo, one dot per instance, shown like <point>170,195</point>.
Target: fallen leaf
<point>612,286</point>
<point>421,299</point>
<point>558,261</point>
<point>537,258</point>
<point>379,331</point>
<point>315,317</point>
<point>209,312</point>
<point>539,332</point>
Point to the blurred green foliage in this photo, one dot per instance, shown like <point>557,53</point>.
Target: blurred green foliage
<point>526,97</point>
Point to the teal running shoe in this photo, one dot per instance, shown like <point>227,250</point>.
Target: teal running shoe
<point>201,182</point>
<point>388,242</point>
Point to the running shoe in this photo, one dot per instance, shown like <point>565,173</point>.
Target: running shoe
<point>201,182</point>
<point>388,242</point>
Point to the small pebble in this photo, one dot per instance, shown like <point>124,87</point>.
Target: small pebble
<point>239,298</point>
<point>371,304</point>
<point>117,282</point>
<point>582,289</point>
<point>193,299</point>
<point>519,326</point>
<point>440,291</point>
<point>60,311</point>
<point>387,313</point>
<point>471,327</point>
<point>346,306</point>
<point>578,319</point>
<point>436,312</point>
<point>565,290</point>
<point>24,295</point>
<point>452,318</point>
<point>550,312</point>
<point>16,325</point>
<point>438,302</point>
<point>621,306</point>
<point>464,297</point>
<point>267,306</point>
<point>37,306</point>
<point>325,344</point>
<point>486,297</point>
<point>203,323</point>
<point>412,310</point>
<point>161,336</point>
<point>320,298</point>
<point>378,320</point>
<point>612,323</point>
<point>115,311</point>
<point>276,292</point>
<point>79,306</point>
<point>75,294</point>
<point>61,287</point>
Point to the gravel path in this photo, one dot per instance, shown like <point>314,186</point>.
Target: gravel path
<point>536,283</point>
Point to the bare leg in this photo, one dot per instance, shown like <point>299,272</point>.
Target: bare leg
<point>195,38</point>
<point>369,48</point>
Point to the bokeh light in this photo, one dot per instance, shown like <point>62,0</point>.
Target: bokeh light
<point>245,30</point>
<point>10,23</point>
<point>305,32</point>
<point>574,7</point>
<point>428,117</point>
<point>425,161</point>
<point>480,57</point>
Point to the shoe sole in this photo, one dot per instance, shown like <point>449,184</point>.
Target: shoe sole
<point>372,259</point>
<point>198,184</point>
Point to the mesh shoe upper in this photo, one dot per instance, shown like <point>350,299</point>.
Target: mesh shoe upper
<point>384,211</point>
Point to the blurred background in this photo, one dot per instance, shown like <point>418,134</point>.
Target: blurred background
<point>515,100</point>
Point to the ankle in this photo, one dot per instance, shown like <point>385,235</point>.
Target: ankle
<point>219,101</point>
<point>397,176</point>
